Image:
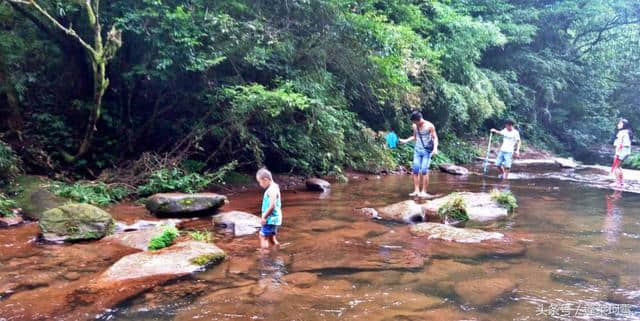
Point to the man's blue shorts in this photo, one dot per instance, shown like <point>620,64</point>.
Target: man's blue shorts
<point>269,230</point>
<point>504,159</point>
<point>421,161</point>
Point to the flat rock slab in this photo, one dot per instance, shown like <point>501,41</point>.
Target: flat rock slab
<point>406,212</point>
<point>481,208</point>
<point>240,223</point>
<point>184,205</point>
<point>175,260</point>
<point>75,222</point>
<point>453,169</point>
<point>329,253</point>
<point>317,184</point>
<point>482,292</point>
<point>10,221</point>
<point>454,234</point>
<point>566,162</point>
<point>139,239</point>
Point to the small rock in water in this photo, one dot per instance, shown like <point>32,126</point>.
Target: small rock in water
<point>240,223</point>
<point>453,169</point>
<point>317,184</point>
<point>405,212</point>
<point>184,205</point>
<point>71,276</point>
<point>10,221</point>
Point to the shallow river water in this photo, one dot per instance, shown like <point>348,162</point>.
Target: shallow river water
<point>581,260</point>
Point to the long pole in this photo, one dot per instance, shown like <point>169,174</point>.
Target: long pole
<point>486,159</point>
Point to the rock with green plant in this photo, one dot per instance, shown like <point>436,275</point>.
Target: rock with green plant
<point>75,222</point>
<point>481,208</point>
<point>177,260</point>
<point>140,239</point>
<point>9,213</point>
<point>33,195</point>
<point>239,223</point>
<point>185,205</point>
<point>505,198</point>
<point>454,210</point>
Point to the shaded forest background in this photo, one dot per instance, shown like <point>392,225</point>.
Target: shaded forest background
<point>302,85</point>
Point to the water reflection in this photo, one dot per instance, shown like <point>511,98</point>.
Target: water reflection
<point>613,218</point>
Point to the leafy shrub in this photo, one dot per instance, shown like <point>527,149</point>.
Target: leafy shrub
<point>202,236</point>
<point>6,206</point>
<point>165,239</point>
<point>99,193</point>
<point>455,209</point>
<point>9,163</point>
<point>178,179</point>
<point>633,161</point>
<point>506,199</point>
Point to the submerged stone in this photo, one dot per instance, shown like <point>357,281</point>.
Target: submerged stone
<point>184,205</point>
<point>455,234</point>
<point>482,292</point>
<point>240,223</point>
<point>75,222</point>
<point>406,212</point>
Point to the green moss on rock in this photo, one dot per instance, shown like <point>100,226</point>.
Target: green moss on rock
<point>76,222</point>
<point>210,258</point>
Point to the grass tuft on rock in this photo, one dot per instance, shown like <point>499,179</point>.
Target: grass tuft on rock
<point>7,206</point>
<point>165,239</point>
<point>207,259</point>
<point>455,209</point>
<point>201,236</point>
<point>506,199</point>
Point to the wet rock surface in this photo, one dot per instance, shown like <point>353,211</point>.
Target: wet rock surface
<point>453,169</point>
<point>9,221</point>
<point>486,291</point>
<point>481,208</point>
<point>75,222</point>
<point>406,212</point>
<point>317,185</point>
<point>455,234</point>
<point>185,205</point>
<point>140,237</point>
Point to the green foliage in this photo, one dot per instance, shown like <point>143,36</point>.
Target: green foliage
<point>9,163</point>
<point>507,199</point>
<point>7,206</point>
<point>178,179</point>
<point>95,193</point>
<point>202,236</point>
<point>454,209</point>
<point>633,161</point>
<point>164,240</point>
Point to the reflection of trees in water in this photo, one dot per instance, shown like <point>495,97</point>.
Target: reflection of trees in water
<point>613,218</point>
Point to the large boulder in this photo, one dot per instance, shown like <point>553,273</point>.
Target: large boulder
<point>180,204</point>
<point>485,291</point>
<point>33,197</point>
<point>180,259</point>
<point>405,212</point>
<point>317,184</point>
<point>454,234</point>
<point>240,223</point>
<point>481,207</point>
<point>453,169</point>
<point>75,222</point>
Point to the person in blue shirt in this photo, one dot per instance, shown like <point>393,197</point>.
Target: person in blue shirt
<point>392,140</point>
<point>271,212</point>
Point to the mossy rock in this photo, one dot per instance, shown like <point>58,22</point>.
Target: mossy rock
<point>76,222</point>
<point>33,197</point>
<point>185,205</point>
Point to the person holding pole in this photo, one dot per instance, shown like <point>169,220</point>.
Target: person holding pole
<point>510,144</point>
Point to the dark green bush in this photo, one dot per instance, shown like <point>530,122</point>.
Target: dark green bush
<point>7,206</point>
<point>178,179</point>
<point>10,164</point>
<point>165,239</point>
<point>95,193</point>
<point>633,161</point>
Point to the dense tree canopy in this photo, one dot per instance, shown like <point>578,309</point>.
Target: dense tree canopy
<point>302,84</point>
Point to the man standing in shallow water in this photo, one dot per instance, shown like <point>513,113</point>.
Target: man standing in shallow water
<point>424,133</point>
<point>510,143</point>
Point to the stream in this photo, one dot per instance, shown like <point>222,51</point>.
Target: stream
<point>580,260</point>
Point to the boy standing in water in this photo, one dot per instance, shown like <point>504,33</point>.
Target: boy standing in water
<point>510,143</point>
<point>424,133</point>
<point>622,146</point>
<point>271,213</point>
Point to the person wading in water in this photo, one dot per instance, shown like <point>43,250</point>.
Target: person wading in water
<point>622,145</point>
<point>424,133</point>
